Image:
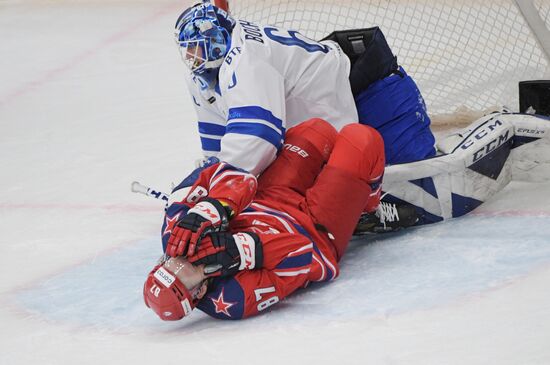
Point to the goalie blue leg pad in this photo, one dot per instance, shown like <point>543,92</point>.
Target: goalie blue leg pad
<point>396,109</point>
<point>476,163</point>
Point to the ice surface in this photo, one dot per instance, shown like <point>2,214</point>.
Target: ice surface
<point>92,97</point>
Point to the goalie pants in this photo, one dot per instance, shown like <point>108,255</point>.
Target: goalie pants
<point>396,109</point>
<point>329,176</point>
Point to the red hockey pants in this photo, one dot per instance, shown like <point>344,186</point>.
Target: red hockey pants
<point>330,176</point>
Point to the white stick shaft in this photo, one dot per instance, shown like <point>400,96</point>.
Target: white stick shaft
<point>146,190</point>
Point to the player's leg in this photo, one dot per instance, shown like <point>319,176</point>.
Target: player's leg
<point>306,149</point>
<point>348,183</point>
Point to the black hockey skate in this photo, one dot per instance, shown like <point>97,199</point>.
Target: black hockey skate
<point>388,217</point>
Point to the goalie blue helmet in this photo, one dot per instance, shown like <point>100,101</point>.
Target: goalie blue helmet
<point>203,34</point>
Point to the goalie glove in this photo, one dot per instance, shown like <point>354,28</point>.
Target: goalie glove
<point>225,254</point>
<point>208,215</point>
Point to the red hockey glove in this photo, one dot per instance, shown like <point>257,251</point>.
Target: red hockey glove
<point>208,215</point>
<point>225,254</point>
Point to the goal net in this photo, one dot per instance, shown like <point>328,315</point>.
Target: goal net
<point>467,56</point>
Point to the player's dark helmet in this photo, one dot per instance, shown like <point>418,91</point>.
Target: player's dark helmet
<point>203,35</point>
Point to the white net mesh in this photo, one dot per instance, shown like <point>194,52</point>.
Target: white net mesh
<point>543,7</point>
<point>464,54</point>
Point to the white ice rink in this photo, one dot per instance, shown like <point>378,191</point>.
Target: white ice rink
<point>92,97</point>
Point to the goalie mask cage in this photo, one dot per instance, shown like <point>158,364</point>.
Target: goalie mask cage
<point>465,55</point>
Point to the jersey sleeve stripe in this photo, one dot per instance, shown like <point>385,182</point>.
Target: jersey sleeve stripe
<point>331,270</point>
<point>330,265</point>
<point>375,191</point>
<point>209,144</point>
<point>255,112</point>
<point>283,222</point>
<point>211,128</point>
<point>258,130</point>
<point>295,261</point>
<point>274,211</point>
<point>323,270</point>
<point>258,121</point>
<point>303,248</point>
<point>292,273</point>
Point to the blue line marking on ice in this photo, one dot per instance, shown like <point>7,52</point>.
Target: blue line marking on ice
<point>421,268</point>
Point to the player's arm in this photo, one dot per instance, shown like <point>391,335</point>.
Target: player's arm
<point>244,292</point>
<point>254,93</point>
<point>220,192</point>
<point>210,123</point>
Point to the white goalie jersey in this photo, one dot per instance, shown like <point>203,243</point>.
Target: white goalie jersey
<point>270,81</point>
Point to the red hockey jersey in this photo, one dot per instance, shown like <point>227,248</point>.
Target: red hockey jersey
<point>295,252</point>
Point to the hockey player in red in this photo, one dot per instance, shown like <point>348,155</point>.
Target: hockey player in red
<point>238,245</point>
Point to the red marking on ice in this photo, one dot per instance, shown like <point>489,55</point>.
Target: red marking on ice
<point>78,59</point>
<point>126,208</point>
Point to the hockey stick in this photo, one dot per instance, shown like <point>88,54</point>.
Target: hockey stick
<point>148,191</point>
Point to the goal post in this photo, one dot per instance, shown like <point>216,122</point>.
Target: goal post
<point>538,25</point>
<point>465,55</point>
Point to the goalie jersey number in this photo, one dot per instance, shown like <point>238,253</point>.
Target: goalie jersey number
<point>291,39</point>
